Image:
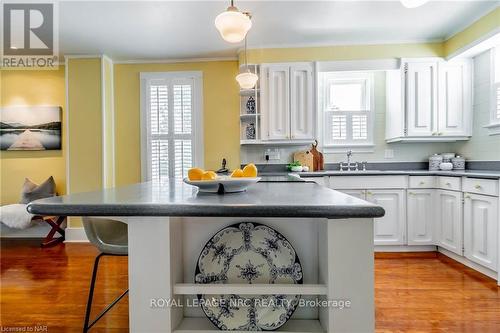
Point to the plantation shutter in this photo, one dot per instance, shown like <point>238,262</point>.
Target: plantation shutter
<point>170,121</point>
<point>347,109</point>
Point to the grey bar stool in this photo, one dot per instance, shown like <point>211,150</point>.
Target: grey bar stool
<point>110,238</point>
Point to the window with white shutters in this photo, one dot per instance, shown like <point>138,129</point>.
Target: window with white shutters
<point>171,119</point>
<point>347,102</point>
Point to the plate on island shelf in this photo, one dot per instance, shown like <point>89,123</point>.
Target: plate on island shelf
<point>223,184</point>
<point>250,253</point>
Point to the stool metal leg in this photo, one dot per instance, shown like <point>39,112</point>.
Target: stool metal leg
<point>87,326</point>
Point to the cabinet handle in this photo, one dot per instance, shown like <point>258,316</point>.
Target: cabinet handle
<point>411,193</point>
<point>422,183</point>
<point>440,133</point>
<point>369,193</point>
<point>477,187</point>
<point>448,184</point>
<point>434,133</point>
<point>467,196</point>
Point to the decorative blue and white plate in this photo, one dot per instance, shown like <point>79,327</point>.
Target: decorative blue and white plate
<point>248,253</point>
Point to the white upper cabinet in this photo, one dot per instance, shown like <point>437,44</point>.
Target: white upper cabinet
<point>481,229</point>
<point>455,87</point>
<point>287,101</point>
<point>449,223</point>
<point>301,102</point>
<point>277,96</point>
<point>429,100</point>
<point>421,98</point>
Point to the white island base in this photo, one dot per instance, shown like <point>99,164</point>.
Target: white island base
<point>336,257</point>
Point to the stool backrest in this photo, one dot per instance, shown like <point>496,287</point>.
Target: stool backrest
<point>109,236</point>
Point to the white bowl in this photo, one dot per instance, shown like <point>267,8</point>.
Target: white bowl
<point>296,168</point>
<point>223,184</point>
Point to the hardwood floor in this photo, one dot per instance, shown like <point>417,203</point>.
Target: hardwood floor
<point>414,293</point>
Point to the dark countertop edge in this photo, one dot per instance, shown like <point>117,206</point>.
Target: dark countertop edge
<point>329,212</point>
<point>482,175</point>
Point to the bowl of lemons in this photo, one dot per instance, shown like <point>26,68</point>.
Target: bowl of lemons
<point>210,182</point>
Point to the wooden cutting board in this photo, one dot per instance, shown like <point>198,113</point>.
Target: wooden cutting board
<point>305,158</point>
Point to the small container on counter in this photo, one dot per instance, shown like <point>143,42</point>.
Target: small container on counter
<point>447,157</point>
<point>434,162</point>
<point>458,163</point>
<point>446,166</point>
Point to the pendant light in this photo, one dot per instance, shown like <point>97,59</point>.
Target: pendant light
<point>413,3</point>
<point>247,79</point>
<point>233,25</point>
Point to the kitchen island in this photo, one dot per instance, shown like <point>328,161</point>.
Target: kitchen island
<point>169,222</point>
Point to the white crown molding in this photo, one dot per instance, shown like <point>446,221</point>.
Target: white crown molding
<point>171,61</point>
<point>477,46</point>
<point>350,43</point>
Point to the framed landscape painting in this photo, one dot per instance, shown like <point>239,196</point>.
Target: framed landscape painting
<point>30,128</point>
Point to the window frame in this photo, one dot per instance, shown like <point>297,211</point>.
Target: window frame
<point>330,146</point>
<point>197,117</point>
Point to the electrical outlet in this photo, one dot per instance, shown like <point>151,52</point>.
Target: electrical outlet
<point>272,154</point>
<point>389,153</point>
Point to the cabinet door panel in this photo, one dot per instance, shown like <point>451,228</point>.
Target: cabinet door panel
<point>450,222</point>
<point>454,98</point>
<point>481,229</point>
<point>389,229</point>
<point>301,105</point>
<point>421,102</point>
<point>420,217</point>
<point>277,98</point>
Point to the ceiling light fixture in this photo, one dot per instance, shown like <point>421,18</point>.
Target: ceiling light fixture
<point>413,3</point>
<point>247,79</point>
<point>233,25</point>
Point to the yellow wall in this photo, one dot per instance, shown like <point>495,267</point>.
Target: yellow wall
<point>85,126</point>
<point>343,52</point>
<point>220,114</point>
<point>29,87</point>
<point>481,27</point>
<point>109,122</point>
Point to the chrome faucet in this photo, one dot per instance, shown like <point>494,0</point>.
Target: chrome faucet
<point>347,166</point>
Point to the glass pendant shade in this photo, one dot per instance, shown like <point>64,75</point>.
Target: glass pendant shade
<point>247,80</point>
<point>413,3</point>
<point>233,25</point>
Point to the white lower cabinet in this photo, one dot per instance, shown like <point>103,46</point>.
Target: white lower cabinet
<point>391,228</point>
<point>481,229</point>
<point>449,220</point>
<point>420,217</point>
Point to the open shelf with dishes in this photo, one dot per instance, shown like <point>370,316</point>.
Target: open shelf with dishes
<point>250,123</point>
<point>191,236</point>
<point>203,325</point>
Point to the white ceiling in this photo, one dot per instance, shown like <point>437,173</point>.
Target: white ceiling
<point>128,30</point>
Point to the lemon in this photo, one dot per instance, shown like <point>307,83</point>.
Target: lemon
<point>195,173</point>
<point>250,170</point>
<point>238,173</point>
<point>209,175</point>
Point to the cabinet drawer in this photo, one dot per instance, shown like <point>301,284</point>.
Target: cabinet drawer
<point>422,182</point>
<point>449,183</point>
<point>481,186</point>
<point>366,182</point>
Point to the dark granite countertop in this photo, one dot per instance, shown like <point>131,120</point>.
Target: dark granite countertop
<point>174,198</point>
